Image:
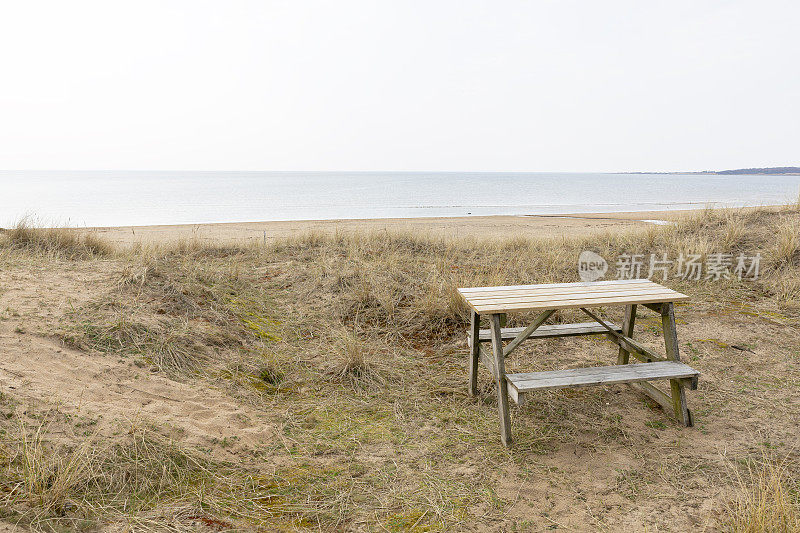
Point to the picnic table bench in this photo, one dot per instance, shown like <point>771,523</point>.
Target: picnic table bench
<point>496,302</point>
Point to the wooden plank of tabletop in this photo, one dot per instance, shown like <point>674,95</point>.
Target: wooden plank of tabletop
<point>566,290</point>
<point>573,296</point>
<point>563,298</point>
<point>559,286</point>
<point>483,308</point>
<point>569,284</point>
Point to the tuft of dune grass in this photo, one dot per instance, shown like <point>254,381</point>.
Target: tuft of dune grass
<point>768,500</point>
<point>58,242</point>
<point>144,480</point>
<point>50,474</point>
<point>787,247</point>
<point>352,362</point>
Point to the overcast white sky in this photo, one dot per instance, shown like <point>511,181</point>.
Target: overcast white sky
<point>406,85</point>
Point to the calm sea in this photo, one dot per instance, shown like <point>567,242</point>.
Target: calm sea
<point>140,198</point>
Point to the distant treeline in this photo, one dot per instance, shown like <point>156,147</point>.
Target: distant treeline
<point>770,170</point>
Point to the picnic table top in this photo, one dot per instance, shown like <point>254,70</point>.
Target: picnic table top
<point>567,295</point>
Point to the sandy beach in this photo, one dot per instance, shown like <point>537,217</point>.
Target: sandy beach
<point>567,225</point>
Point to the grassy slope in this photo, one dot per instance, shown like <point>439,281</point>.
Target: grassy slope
<point>353,347</point>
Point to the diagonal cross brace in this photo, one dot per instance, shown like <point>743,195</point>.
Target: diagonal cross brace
<point>527,332</point>
<point>626,342</point>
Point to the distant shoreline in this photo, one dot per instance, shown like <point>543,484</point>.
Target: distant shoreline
<point>766,171</point>
<point>712,173</point>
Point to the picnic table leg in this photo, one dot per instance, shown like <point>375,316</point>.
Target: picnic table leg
<point>682,412</point>
<point>500,380</point>
<point>474,352</point>
<point>627,329</point>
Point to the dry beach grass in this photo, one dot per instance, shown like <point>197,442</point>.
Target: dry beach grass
<point>319,382</point>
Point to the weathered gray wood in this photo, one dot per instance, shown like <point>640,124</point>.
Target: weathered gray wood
<point>487,360</point>
<point>664,400</point>
<point>548,331</point>
<point>623,358</point>
<point>490,300</point>
<point>525,333</point>
<point>530,304</point>
<point>670,332</point>
<point>500,380</point>
<point>601,375</point>
<point>673,353</point>
<point>660,369</point>
<point>682,412</point>
<point>474,352</point>
<point>588,284</point>
<point>496,301</point>
<point>518,397</point>
<point>503,320</point>
<point>654,307</point>
<point>636,349</point>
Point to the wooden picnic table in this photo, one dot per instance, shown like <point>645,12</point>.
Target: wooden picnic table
<point>496,302</point>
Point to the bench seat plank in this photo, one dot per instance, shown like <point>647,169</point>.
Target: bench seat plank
<point>602,375</point>
<point>551,330</point>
